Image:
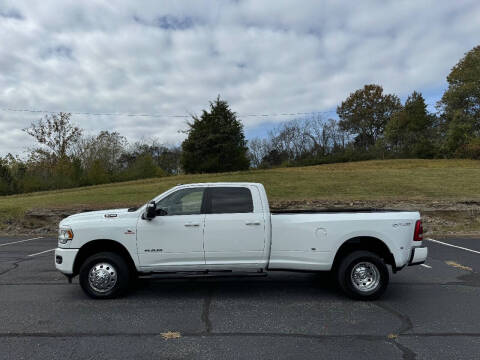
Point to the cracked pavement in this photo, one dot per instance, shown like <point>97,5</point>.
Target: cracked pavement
<point>427,313</point>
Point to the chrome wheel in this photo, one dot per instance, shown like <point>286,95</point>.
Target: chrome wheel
<point>365,276</point>
<point>102,277</point>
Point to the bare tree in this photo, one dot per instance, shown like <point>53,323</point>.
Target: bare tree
<point>298,139</point>
<point>107,148</point>
<point>56,132</point>
<point>257,150</point>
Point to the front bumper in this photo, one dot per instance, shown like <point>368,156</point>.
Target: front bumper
<point>419,255</point>
<point>64,260</point>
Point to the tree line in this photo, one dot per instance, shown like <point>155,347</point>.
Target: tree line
<point>65,157</point>
<point>371,125</point>
<point>375,125</point>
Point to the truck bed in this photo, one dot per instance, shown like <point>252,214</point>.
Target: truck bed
<point>333,210</point>
<point>309,239</point>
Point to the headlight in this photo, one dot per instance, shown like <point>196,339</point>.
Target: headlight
<point>64,235</point>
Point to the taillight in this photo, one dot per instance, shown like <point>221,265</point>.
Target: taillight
<point>418,235</point>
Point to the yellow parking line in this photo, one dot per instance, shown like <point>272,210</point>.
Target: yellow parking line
<point>458,266</point>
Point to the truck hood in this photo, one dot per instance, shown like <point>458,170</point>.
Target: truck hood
<point>93,215</point>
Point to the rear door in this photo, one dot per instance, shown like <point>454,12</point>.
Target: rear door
<point>234,227</point>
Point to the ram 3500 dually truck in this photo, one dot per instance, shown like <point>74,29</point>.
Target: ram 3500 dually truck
<point>228,227</point>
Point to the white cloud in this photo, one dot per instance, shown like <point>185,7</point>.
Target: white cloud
<point>173,57</point>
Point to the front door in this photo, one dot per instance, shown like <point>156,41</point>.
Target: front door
<point>234,230</point>
<point>175,236</point>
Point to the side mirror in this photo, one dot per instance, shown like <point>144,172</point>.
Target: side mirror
<point>150,211</point>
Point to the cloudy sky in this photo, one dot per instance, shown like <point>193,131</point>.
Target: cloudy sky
<point>171,57</point>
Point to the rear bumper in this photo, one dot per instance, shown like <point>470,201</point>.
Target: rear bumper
<point>64,260</point>
<point>419,255</point>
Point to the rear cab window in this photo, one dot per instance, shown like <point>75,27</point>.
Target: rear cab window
<point>229,200</point>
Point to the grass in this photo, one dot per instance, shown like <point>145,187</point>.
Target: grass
<point>385,180</point>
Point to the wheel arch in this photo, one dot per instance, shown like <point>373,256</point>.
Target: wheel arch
<point>368,243</point>
<point>100,245</point>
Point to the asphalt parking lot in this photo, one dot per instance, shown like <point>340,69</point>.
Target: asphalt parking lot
<point>428,312</point>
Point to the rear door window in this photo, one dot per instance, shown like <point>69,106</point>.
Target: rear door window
<point>228,200</point>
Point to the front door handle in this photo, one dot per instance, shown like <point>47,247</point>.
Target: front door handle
<point>252,223</point>
<point>192,224</point>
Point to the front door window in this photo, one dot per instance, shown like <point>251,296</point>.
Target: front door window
<point>182,202</point>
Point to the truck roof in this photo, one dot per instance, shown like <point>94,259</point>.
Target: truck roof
<point>220,183</point>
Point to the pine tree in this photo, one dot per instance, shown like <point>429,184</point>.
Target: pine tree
<point>215,141</point>
<point>410,130</point>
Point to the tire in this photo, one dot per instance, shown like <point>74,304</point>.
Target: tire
<point>363,275</point>
<point>105,276</point>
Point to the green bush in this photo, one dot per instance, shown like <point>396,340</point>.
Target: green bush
<point>471,150</point>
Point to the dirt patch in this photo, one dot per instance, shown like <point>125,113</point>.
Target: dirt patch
<point>40,221</point>
<point>441,217</point>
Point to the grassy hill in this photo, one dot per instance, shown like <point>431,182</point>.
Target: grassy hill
<point>385,181</point>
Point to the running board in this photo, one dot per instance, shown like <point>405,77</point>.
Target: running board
<point>201,274</point>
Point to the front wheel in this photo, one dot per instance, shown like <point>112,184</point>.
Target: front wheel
<point>104,276</point>
<point>363,275</point>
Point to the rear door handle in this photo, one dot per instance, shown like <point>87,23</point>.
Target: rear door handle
<point>192,224</point>
<point>252,223</point>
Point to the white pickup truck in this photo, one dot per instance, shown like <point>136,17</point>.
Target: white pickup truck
<point>220,228</point>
